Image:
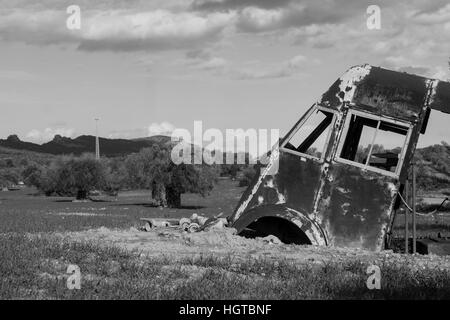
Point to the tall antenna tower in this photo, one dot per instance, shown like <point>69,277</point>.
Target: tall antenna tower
<point>97,142</point>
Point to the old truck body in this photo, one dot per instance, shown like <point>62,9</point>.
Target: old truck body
<point>334,179</point>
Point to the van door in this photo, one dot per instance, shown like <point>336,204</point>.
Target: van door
<point>302,155</point>
<point>362,181</point>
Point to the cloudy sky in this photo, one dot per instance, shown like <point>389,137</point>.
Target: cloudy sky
<point>145,67</point>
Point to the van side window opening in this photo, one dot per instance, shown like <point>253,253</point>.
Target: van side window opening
<point>374,143</point>
<point>311,137</point>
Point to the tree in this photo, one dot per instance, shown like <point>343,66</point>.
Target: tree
<point>9,163</point>
<point>186,178</point>
<point>70,176</point>
<point>231,170</point>
<point>9,176</point>
<point>116,177</point>
<point>153,169</point>
<point>247,177</point>
<point>32,175</point>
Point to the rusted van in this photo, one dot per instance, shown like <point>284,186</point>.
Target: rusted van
<point>334,179</point>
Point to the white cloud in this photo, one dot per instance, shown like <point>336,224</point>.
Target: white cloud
<point>40,136</point>
<point>440,73</point>
<point>407,64</point>
<point>116,30</point>
<point>256,19</point>
<point>440,16</point>
<point>163,128</point>
<point>155,29</point>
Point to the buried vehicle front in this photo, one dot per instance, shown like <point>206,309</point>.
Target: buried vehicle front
<point>335,177</point>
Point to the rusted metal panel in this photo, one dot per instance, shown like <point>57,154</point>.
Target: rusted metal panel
<point>386,92</point>
<point>343,89</point>
<point>298,179</point>
<point>392,94</point>
<point>295,184</point>
<point>330,98</point>
<point>355,207</point>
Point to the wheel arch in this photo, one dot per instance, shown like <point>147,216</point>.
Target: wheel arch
<point>268,216</point>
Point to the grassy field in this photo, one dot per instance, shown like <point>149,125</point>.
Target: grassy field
<point>34,261</point>
<point>433,219</point>
<point>24,211</point>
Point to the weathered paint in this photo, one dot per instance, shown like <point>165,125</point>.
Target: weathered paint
<point>354,208</point>
<point>391,94</point>
<point>385,92</point>
<point>336,203</point>
<point>298,181</point>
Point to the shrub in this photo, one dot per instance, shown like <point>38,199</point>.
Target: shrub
<point>247,177</point>
<point>70,176</point>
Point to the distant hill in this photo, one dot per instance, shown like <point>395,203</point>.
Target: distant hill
<point>17,156</point>
<point>433,167</point>
<point>63,145</point>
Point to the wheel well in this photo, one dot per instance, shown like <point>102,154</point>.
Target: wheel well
<point>283,229</point>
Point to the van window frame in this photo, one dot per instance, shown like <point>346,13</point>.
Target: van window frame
<point>298,126</point>
<point>367,167</point>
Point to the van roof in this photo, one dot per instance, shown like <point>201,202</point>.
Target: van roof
<point>388,93</point>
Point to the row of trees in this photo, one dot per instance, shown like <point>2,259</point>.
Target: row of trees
<point>151,169</point>
<point>13,163</point>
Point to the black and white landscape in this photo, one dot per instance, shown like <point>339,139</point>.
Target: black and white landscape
<point>167,149</point>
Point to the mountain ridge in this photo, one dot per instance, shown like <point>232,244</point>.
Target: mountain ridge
<point>60,145</point>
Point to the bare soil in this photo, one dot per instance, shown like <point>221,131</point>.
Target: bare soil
<point>175,244</point>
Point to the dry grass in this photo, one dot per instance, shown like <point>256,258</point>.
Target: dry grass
<point>34,268</point>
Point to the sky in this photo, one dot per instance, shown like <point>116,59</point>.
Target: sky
<point>148,67</point>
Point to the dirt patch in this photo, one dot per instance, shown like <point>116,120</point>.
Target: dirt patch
<point>176,245</point>
<point>84,214</point>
